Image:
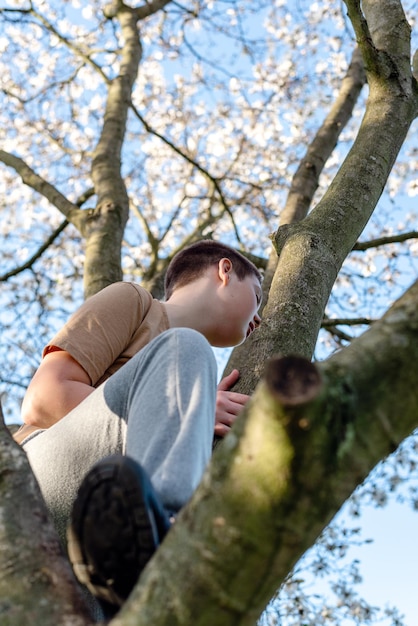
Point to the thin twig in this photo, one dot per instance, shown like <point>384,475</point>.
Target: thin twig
<point>195,164</point>
<point>383,241</point>
<point>28,264</point>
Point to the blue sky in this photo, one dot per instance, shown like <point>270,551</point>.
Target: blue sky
<point>389,563</point>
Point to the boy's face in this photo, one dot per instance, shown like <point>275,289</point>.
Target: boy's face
<point>238,310</point>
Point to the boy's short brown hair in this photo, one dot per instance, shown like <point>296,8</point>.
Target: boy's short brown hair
<point>190,263</point>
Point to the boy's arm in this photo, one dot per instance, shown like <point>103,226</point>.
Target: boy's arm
<point>59,385</point>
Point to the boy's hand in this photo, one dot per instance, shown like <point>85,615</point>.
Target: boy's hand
<point>228,404</point>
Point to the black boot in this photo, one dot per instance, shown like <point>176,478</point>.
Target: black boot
<point>116,525</point>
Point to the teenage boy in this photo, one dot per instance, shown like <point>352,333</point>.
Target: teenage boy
<point>124,409</point>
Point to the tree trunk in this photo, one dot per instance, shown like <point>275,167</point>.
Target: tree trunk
<point>104,227</point>
<point>37,585</point>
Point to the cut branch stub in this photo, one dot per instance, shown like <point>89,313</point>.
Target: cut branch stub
<point>292,380</point>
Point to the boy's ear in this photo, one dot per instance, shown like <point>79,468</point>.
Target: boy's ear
<point>224,270</point>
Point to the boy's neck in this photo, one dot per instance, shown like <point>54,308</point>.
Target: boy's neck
<point>190,307</point>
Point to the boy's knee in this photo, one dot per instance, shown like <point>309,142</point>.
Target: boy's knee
<point>176,347</point>
<point>190,337</point>
<point>192,343</point>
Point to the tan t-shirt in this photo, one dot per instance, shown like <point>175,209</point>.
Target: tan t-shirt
<point>110,328</point>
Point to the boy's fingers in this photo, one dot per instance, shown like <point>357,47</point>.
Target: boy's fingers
<point>231,400</point>
<point>227,382</point>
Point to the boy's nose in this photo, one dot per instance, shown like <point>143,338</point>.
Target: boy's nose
<point>257,320</point>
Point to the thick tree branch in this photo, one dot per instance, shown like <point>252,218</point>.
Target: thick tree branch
<point>56,198</point>
<point>308,437</point>
<point>37,585</point>
<point>322,241</point>
<point>364,38</point>
<point>39,184</point>
<point>107,155</point>
<point>306,178</point>
<point>299,199</point>
<point>383,35</point>
<point>104,228</point>
<point>149,8</point>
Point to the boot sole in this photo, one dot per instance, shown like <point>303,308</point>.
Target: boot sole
<point>113,532</point>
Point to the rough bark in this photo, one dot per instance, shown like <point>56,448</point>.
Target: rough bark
<point>104,227</point>
<point>37,585</point>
